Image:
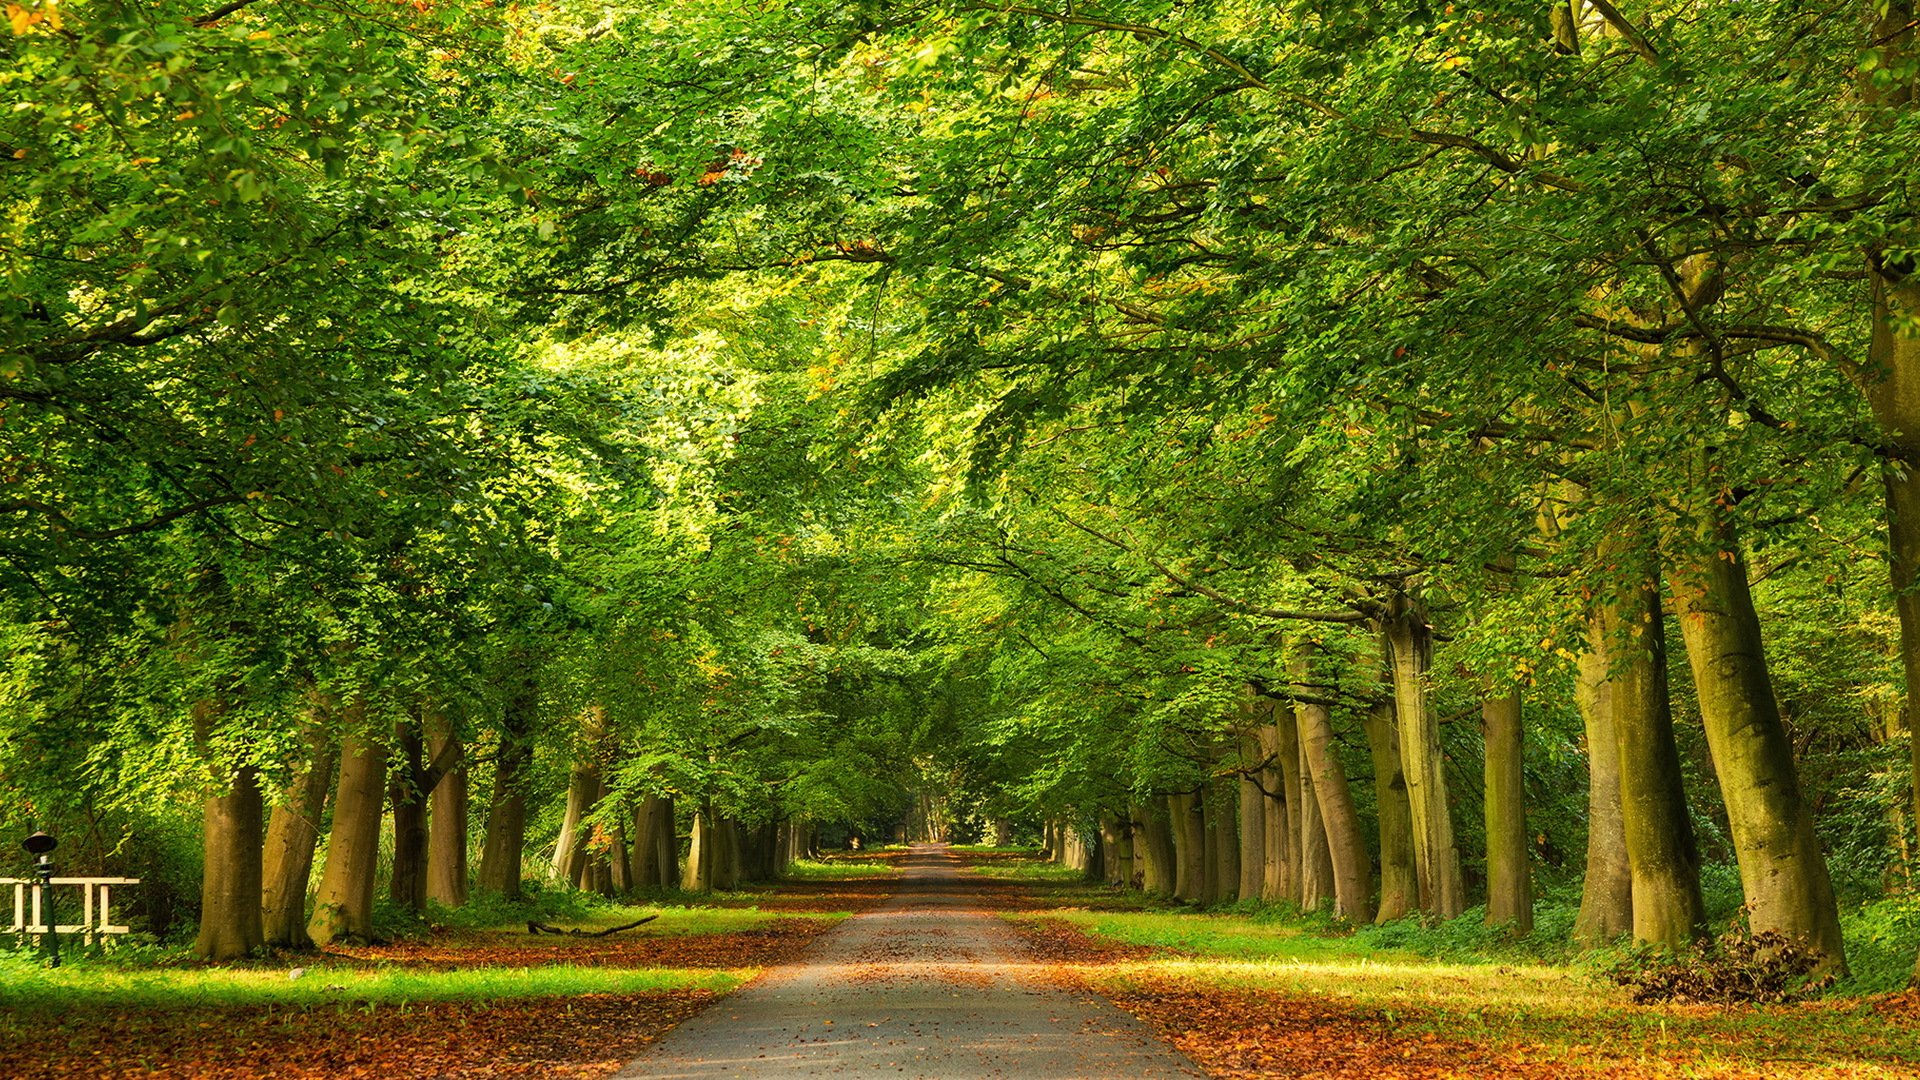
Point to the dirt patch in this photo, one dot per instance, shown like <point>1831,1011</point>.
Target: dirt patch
<point>588,1035</point>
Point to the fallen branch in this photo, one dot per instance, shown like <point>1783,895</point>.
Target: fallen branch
<point>538,928</point>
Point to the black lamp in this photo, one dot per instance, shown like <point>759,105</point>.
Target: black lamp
<point>41,845</point>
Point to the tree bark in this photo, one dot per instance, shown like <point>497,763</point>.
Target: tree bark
<point>1509,877</point>
<point>1276,882</point>
<point>230,924</point>
<point>570,854</point>
<point>1436,855</point>
<point>1286,734</point>
<point>1186,815</point>
<point>500,858</point>
<point>447,825</point>
<point>1316,857</point>
<point>666,838</point>
<point>1782,872</point>
<point>408,791</point>
<point>1253,821</point>
<point>646,843</point>
<point>698,876</point>
<point>1352,869</point>
<point>1223,841</point>
<point>1667,907</point>
<point>1606,892</point>
<point>293,832</point>
<point>1399,878</point>
<point>343,909</point>
<point>1153,824</point>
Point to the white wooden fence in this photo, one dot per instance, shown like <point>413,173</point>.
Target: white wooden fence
<point>95,906</point>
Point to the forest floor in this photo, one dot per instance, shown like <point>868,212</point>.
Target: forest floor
<point>486,1002</point>
<point>1246,997</point>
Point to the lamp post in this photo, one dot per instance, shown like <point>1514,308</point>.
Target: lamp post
<point>41,846</point>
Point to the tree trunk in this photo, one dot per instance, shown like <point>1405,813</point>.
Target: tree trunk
<point>1667,908</point>
<point>1113,868</point>
<point>500,858</point>
<point>447,825</point>
<point>1782,872</point>
<point>1422,760</point>
<point>411,786</point>
<point>1286,728</point>
<point>1160,863</point>
<point>1276,882</point>
<point>1253,822</point>
<point>1352,869</point>
<point>1606,889</point>
<point>726,853</point>
<point>666,838</point>
<point>407,885</point>
<point>343,909</point>
<point>646,842</point>
<point>293,832</point>
<point>698,876</point>
<point>1399,878</point>
<point>1223,842</point>
<point>1316,857</point>
<point>570,855</point>
<point>230,925</point>
<point>1185,814</point>
<point>1509,878</point>
<point>1890,378</point>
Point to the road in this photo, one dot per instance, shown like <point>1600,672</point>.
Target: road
<point>931,984</point>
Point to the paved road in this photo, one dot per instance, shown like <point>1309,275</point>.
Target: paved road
<point>928,985</point>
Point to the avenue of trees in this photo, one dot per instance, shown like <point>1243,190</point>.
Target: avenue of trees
<point>1398,458</point>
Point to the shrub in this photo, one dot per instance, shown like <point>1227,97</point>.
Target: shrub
<point>1740,966</point>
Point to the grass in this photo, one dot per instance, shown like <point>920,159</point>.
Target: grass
<point>670,920</point>
<point>1030,870</point>
<point>833,867</point>
<point>1461,982</point>
<point>27,987</point>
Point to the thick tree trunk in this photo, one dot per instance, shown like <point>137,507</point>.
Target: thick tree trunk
<point>646,842</point>
<point>666,839</point>
<point>1276,882</point>
<point>726,853</point>
<point>1113,865</point>
<point>1422,760</point>
<point>293,832</point>
<point>1154,829</point>
<point>698,876</point>
<point>1316,857</point>
<point>343,909</point>
<point>412,783</point>
<point>447,825</point>
<point>407,885</point>
<point>1186,815</point>
<point>1509,877</point>
<point>570,854</point>
<point>1399,879</point>
<point>500,858</point>
<point>1667,908</point>
<point>230,926</point>
<point>1253,822</point>
<point>1352,869</point>
<point>1223,842</point>
<point>1286,729</point>
<point>1782,872</point>
<point>1606,889</point>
